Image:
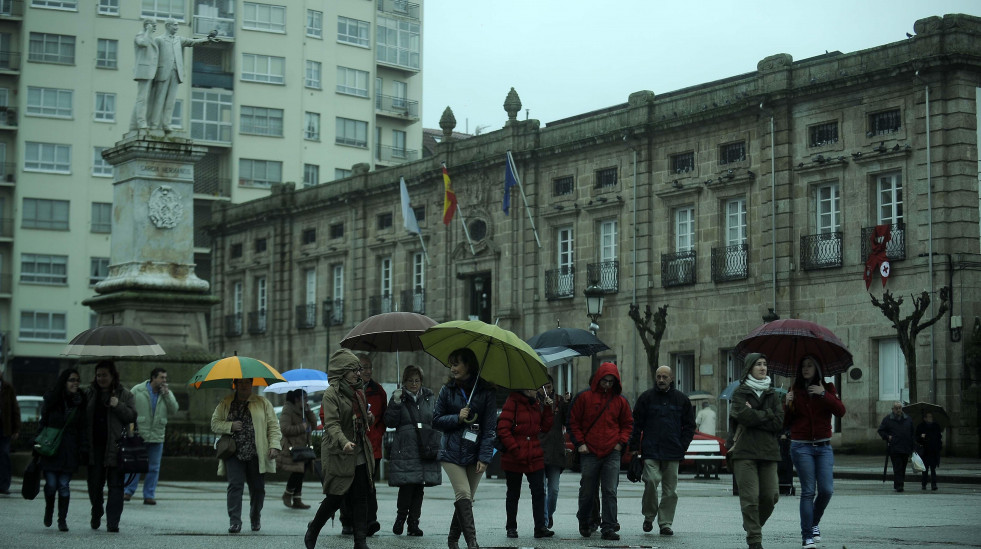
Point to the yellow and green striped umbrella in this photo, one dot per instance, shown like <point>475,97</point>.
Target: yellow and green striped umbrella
<point>220,373</point>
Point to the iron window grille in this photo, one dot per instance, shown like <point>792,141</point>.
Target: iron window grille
<point>822,134</point>
<point>895,248</point>
<point>820,251</point>
<point>260,245</point>
<point>562,185</point>
<point>336,315</point>
<point>730,263</point>
<point>607,177</point>
<point>337,231</point>
<point>885,122</point>
<point>236,251</point>
<point>306,316</point>
<point>732,152</point>
<point>606,274</point>
<point>560,283</point>
<point>683,163</point>
<point>678,269</point>
<point>378,304</point>
<point>413,300</point>
<point>257,322</point>
<point>385,221</point>
<point>233,325</point>
<point>309,236</point>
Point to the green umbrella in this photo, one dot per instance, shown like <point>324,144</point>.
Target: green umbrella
<point>505,359</point>
<point>221,372</point>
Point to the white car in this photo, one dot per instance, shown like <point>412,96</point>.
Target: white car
<point>30,408</point>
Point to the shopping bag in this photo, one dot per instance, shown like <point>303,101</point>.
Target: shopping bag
<point>917,462</point>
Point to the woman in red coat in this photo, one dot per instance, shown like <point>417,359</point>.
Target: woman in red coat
<point>522,419</point>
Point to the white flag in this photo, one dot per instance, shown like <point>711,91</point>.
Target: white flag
<point>408,216</point>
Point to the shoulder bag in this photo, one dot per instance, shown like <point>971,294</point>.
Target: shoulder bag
<point>48,441</point>
<point>32,480</point>
<point>428,438</point>
<point>133,456</point>
<point>302,454</point>
<point>225,446</point>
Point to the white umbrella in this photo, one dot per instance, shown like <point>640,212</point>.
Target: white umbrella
<point>556,355</point>
<point>308,385</point>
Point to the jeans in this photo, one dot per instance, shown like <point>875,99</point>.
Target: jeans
<point>4,463</point>
<point>665,474</point>
<point>536,482</point>
<point>552,474</point>
<point>154,452</point>
<point>599,474</point>
<point>57,482</point>
<point>240,472</point>
<point>814,465</point>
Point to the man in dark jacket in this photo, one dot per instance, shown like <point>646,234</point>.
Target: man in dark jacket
<point>599,427</point>
<point>897,430</point>
<point>9,430</point>
<point>664,424</point>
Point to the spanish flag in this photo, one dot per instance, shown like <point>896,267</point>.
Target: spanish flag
<point>449,198</point>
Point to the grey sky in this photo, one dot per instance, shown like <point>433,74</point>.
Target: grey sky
<point>569,57</point>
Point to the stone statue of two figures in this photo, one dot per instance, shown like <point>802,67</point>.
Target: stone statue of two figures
<point>158,71</point>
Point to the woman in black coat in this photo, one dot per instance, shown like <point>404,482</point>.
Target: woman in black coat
<point>409,411</point>
<point>63,407</point>
<point>929,437</point>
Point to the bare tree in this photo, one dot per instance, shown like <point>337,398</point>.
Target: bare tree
<point>648,333</point>
<point>908,328</point>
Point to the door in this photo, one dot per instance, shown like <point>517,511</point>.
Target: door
<point>566,278</point>
<point>828,223</point>
<point>480,297</point>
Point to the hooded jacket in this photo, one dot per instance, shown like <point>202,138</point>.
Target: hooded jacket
<point>809,417</point>
<point>152,423</point>
<point>404,413</point>
<point>664,424</point>
<point>756,426</point>
<point>521,421</point>
<point>342,426</point>
<point>599,428</point>
<point>446,417</point>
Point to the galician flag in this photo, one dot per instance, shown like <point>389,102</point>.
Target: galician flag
<point>408,216</point>
<point>510,180</point>
<point>449,198</point>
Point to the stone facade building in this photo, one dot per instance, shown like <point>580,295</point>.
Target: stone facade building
<point>723,201</point>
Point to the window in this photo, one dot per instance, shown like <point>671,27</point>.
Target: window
<point>235,251</point>
<point>884,123</point>
<point>385,277</point>
<point>398,42</point>
<point>420,213</point>
<point>263,17</point>
<point>564,284</point>
<point>44,269</point>
<point>827,208</point>
<point>352,81</point>
<point>261,297</point>
<point>337,231</point>
<point>309,236</point>
<point>259,173</point>
<point>385,221</point>
<point>42,326</point>
<point>889,202</point>
<point>564,246</point>
<point>211,115</point>
<point>608,241</point>
<point>261,121</point>
<point>107,53</point>
<point>238,298</point>
<point>735,222</point>
<point>45,214</point>
<point>400,91</point>
<point>352,31</point>
<point>398,143</point>
<point>263,68</point>
<point>101,217</point>
<point>684,372</point>
<point>351,132</point>
<point>51,48</point>
<point>732,152</point>
<point>311,126</point>
<point>562,185</point>
<point>164,9</point>
<point>311,175</point>
<point>315,23</point>
<point>105,107</point>
<point>606,177</point>
<point>47,157</point>
<point>313,78</point>
<point>100,168</point>
<point>177,120</point>
<point>822,134</point>
<point>98,270</point>
<point>418,283</point>
<point>337,286</point>
<point>309,312</point>
<point>683,163</point>
<point>55,4</point>
<point>49,102</point>
<point>892,371</point>
<point>341,173</point>
<point>684,229</point>
<point>260,245</point>
<point>108,7</point>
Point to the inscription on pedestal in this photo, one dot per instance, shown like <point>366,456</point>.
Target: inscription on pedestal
<point>164,169</point>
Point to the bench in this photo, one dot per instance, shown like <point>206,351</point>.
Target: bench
<point>707,457</point>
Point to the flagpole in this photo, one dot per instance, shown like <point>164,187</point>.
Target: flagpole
<point>424,252</point>
<point>465,230</point>
<point>514,170</point>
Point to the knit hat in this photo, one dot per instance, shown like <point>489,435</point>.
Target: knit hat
<point>751,359</point>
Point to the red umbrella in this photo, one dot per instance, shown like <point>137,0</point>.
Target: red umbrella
<point>786,341</point>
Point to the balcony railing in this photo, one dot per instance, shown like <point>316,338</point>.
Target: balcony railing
<point>226,26</point>
<point>413,301</point>
<point>336,316</point>
<point>397,106</point>
<point>730,263</point>
<point>233,325</point>
<point>207,76</point>
<point>606,274</point>
<point>9,60</point>
<point>820,251</point>
<point>6,228</point>
<point>378,304</point>
<point>678,269</point>
<point>257,322</point>
<point>8,117</point>
<point>396,155</point>
<point>11,8</point>
<point>8,173</point>
<point>399,7</point>
<point>895,248</point>
<point>6,283</point>
<point>560,283</point>
<point>306,316</point>
<point>213,186</point>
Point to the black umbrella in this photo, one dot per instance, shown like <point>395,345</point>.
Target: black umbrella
<point>581,341</point>
<point>113,341</point>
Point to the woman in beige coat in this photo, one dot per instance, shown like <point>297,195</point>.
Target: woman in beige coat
<point>348,460</point>
<point>296,421</point>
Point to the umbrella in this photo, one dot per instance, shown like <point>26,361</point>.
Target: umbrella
<point>311,381</point>
<point>700,395</point>
<point>786,341</point>
<point>726,393</point>
<point>505,360</point>
<point>388,332</point>
<point>918,410</point>
<point>113,341</point>
<point>585,343</point>
<point>556,355</point>
<point>220,373</point>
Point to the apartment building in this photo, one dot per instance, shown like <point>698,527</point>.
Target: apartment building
<point>298,91</point>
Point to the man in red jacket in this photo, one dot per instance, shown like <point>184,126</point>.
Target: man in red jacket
<point>600,423</point>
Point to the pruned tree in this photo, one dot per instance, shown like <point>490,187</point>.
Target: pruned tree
<point>908,328</point>
<point>651,329</point>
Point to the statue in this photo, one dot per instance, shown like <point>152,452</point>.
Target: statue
<point>143,72</point>
<point>170,72</point>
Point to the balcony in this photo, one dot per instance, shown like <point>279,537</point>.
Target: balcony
<point>8,117</point>
<point>413,301</point>
<point>233,325</point>
<point>11,9</point>
<point>9,62</point>
<point>378,304</point>
<point>6,228</point>
<point>306,316</point>
<point>211,76</point>
<point>730,263</point>
<point>400,8</point>
<point>336,316</point>
<point>225,25</point>
<point>6,284</point>
<point>216,187</point>
<point>820,251</point>
<point>678,269</point>
<point>398,107</point>
<point>395,155</point>
<point>8,173</point>
<point>560,283</point>
<point>895,248</point>
<point>606,274</point>
<point>257,322</point>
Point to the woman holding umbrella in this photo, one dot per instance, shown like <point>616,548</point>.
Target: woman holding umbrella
<point>466,412</point>
<point>523,418</point>
<point>295,423</point>
<point>63,407</point>
<point>929,437</point>
<point>109,410</point>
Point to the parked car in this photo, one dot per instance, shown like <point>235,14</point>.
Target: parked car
<point>30,408</point>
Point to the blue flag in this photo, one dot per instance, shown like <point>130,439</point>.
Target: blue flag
<point>510,180</point>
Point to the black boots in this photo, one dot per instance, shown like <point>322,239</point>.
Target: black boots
<point>464,512</point>
<point>63,512</point>
<point>399,523</point>
<point>49,507</point>
<point>414,528</point>
<point>453,538</point>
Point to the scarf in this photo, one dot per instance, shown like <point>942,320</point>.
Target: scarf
<point>758,385</point>
<point>358,403</point>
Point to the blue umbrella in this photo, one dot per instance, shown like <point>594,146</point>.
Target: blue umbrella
<point>311,381</point>
<point>305,374</point>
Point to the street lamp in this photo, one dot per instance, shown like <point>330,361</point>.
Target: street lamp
<point>328,312</point>
<point>594,304</point>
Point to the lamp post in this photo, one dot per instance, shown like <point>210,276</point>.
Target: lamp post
<point>328,312</point>
<point>594,304</point>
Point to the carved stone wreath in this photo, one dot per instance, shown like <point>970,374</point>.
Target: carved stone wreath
<point>165,209</point>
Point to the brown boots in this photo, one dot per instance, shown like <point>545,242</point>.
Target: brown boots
<point>464,514</point>
<point>293,501</point>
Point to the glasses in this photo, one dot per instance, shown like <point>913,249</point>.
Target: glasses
<point>74,380</point>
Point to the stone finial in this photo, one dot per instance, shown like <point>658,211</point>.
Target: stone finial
<point>360,168</point>
<point>780,61</point>
<point>512,104</point>
<point>447,122</point>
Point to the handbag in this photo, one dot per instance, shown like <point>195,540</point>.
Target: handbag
<point>635,469</point>
<point>917,462</point>
<point>429,439</point>
<point>225,447</point>
<point>302,454</point>
<point>32,480</point>
<point>133,456</point>
<point>48,441</point>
